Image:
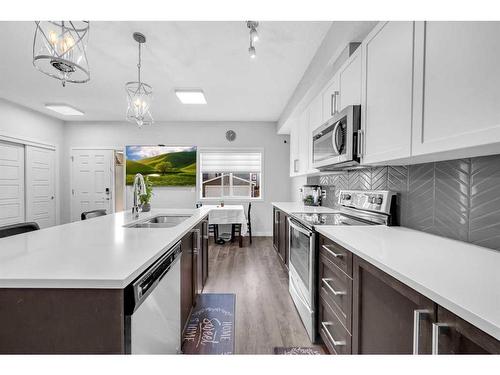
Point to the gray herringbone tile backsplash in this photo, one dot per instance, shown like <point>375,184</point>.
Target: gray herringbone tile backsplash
<point>458,199</point>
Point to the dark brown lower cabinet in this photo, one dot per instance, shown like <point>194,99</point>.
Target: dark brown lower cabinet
<point>194,267</point>
<point>204,250</point>
<point>276,228</point>
<point>283,242</point>
<point>373,313</point>
<point>453,335</point>
<point>335,336</point>
<point>280,235</point>
<point>388,316</point>
<point>187,288</point>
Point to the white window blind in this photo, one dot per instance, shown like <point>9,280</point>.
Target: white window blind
<point>220,162</point>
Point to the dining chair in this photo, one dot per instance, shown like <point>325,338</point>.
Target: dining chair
<point>236,228</point>
<point>13,229</point>
<point>91,214</point>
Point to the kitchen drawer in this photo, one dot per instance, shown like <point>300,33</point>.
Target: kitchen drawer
<point>331,330</point>
<point>335,287</point>
<point>341,257</point>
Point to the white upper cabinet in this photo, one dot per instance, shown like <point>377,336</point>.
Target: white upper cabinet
<point>315,120</point>
<point>457,88</point>
<point>387,84</point>
<point>304,136</point>
<point>294,148</point>
<point>316,113</point>
<point>330,95</point>
<point>349,78</point>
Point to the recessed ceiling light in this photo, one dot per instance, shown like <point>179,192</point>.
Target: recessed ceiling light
<point>64,109</point>
<point>191,96</point>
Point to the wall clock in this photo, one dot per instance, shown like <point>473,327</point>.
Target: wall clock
<point>230,135</point>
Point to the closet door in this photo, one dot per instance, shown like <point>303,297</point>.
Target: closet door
<point>11,183</point>
<point>40,186</point>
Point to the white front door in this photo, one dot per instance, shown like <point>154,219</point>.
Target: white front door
<point>92,181</point>
<point>40,186</point>
<point>11,183</point>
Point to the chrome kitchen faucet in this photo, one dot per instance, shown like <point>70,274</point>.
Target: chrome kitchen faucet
<point>139,188</point>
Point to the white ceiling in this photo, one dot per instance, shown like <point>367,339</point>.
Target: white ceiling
<point>212,56</point>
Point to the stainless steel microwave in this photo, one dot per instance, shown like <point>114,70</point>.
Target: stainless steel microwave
<point>337,143</point>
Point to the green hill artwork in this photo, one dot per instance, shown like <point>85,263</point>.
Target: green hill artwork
<point>164,165</point>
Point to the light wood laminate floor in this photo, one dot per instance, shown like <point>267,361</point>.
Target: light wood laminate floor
<point>265,313</point>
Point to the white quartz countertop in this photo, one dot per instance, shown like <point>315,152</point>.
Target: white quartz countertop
<point>460,277</point>
<point>95,253</point>
<point>300,208</point>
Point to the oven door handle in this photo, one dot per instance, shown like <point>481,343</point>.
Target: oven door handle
<point>301,230</point>
<point>334,138</point>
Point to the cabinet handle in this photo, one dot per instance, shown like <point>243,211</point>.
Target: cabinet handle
<point>436,331</point>
<point>334,342</point>
<point>360,143</point>
<point>331,252</point>
<point>335,292</point>
<point>333,103</point>
<point>198,241</point>
<point>417,316</point>
<point>296,165</point>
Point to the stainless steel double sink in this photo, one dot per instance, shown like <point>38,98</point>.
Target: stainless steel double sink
<point>160,221</point>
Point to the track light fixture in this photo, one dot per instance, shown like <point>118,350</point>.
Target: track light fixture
<point>254,37</point>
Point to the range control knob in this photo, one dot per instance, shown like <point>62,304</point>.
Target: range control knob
<point>379,200</point>
<point>346,197</point>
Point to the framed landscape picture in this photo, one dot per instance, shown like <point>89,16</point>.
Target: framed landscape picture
<point>164,165</point>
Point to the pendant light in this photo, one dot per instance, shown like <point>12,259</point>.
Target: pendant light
<point>139,94</point>
<point>59,50</point>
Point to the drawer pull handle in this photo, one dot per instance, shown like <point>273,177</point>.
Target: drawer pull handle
<point>334,342</point>
<point>336,292</point>
<point>331,252</point>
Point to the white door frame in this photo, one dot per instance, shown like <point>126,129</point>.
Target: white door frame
<point>112,174</point>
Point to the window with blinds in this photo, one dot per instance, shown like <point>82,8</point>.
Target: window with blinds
<point>230,174</point>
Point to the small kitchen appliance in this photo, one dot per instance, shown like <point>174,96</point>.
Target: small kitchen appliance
<point>337,143</point>
<point>356,208</point>
<point>311,195</point>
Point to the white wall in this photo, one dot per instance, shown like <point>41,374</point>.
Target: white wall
<point>202,134</point>
<point>25,124</point>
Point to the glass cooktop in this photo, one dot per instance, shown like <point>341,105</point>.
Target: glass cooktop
<point>328,219</point>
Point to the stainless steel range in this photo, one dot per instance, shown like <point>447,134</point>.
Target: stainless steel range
<point>356,208</point>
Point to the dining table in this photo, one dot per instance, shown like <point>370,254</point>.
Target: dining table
<point>228,214</point>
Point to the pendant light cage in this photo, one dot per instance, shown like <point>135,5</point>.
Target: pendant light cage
<point>139,94</point>
<point>60,50</point>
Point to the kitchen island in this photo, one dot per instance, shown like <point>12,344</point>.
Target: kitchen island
<point>62,289</point>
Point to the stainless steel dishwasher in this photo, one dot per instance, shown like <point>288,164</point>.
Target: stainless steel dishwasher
<point>153,307</point>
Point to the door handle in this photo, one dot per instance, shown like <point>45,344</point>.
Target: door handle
<point>335,292</point>
<point>334,342</point>
<point>417,316</point>
<point>360,143</point>
<point>436,331</point>
<point>333,103</point>
<point>198,241</point>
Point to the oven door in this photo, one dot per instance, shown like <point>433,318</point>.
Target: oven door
<point>301,241</point>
